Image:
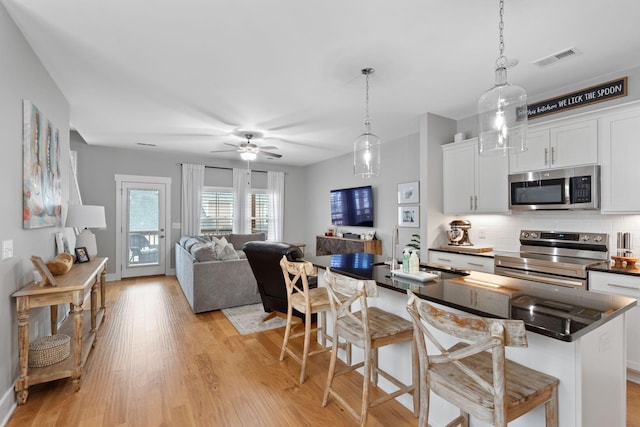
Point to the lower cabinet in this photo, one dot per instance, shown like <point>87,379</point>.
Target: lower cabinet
<point>326,245</point>
<point>462,261</point>
<point>628,286</point>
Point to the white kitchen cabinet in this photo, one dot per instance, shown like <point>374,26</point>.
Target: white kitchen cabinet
<point>559,146</point>
<point>462,261</point>
<point>619,152</point>
<point>628,286</point>
<point>474,183</point>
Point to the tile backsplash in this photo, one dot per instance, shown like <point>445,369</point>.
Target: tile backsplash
<point>502,231</point>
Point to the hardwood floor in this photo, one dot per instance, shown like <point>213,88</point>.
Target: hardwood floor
<point>158,364</point>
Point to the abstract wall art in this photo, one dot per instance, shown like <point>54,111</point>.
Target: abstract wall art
<point>42,187</point>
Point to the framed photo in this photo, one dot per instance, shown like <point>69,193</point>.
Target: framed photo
<point>409,216</point>
<point>409,192</point>
<point>60,242</point>
<point>82,255</point>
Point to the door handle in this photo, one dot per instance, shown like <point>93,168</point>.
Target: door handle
<point>545,156</point>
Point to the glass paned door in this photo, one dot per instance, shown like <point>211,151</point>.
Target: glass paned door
<point>144,229</point>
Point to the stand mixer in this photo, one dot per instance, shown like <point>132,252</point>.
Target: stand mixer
<point>459,233</point>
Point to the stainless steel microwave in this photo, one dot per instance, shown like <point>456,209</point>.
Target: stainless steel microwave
<point>556,189</point>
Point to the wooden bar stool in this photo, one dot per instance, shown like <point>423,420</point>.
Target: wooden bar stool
<point>482,384</point>
<point>370,328</point>
<point>307,301</point>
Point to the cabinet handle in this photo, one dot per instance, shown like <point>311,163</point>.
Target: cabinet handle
<point>553,155</point>
<point>443,259</point>
<point>633,288</point>
<point>475,203</point>
<point>545,157</point>
<point>475,264</point>
<point>470,203</point>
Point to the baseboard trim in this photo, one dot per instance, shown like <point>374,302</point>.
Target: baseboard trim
<point>633,376</point>
<point>8,405</point>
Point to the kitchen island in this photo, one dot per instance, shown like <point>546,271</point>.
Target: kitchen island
<point>574,335</point>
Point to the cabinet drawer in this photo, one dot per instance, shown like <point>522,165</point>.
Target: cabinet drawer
<point>461,261</point>
<point>619,284</point>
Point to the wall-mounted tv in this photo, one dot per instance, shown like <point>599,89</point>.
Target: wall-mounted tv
<point>352,206</point>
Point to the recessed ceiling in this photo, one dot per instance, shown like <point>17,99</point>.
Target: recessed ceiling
<point>190,76</point>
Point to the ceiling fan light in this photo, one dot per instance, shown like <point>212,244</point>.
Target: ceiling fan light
<point>248,156</point>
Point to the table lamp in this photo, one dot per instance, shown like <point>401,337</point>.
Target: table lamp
<point>85,217</point>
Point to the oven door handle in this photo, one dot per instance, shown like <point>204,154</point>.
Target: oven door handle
<point>543,279</point>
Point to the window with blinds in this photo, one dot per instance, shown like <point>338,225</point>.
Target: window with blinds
<point>216,216</point>
<point>259,212</point>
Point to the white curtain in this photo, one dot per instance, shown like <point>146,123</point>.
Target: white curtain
<point>275,190</point>
<point>192,183</point>
<point>241,208</point>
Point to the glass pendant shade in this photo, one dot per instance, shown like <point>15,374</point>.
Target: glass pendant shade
<point>502,111</point>
<point>366,154</point>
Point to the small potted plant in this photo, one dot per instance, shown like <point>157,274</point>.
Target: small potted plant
<point>415,243</point>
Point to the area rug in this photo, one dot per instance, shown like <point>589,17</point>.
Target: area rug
<point>247,319</point>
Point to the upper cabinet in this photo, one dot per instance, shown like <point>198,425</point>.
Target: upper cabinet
<point>473,183</point>
<point>619,151</point>
<point>570,144</point>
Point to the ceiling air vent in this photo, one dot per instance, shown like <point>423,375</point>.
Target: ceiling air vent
<point>558,56</point>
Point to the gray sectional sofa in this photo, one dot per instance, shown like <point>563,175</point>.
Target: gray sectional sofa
<point>214,275</point>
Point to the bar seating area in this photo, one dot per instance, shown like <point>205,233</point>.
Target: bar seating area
<point>477,377</point>
<point>307,301</point>
<point>369,328</point>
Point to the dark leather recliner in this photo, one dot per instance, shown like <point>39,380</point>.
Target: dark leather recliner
<point>264,259</point>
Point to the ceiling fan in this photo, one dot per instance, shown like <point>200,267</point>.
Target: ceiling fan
<point>250,151</point>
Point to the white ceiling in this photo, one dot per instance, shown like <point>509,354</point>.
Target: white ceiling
<point>190,75</point>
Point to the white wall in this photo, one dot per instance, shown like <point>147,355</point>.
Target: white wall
<point>400,163</point>
<point>23,77</point>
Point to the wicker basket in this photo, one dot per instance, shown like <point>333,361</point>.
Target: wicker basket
<point>49,350</point>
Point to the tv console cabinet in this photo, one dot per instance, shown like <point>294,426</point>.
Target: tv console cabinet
<point>72,288</point>
<point>327,245</point>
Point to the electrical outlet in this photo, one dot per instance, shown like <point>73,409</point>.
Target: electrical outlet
<point>482,234</point>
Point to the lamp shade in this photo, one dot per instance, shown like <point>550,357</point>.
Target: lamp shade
<point>86,216</point>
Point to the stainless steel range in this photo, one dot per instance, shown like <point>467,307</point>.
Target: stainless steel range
<point>557,258</point>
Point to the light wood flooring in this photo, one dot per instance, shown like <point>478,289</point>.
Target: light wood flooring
<point>158,364</point>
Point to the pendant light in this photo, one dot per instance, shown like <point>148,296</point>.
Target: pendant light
<point>366,148</point>
<point>502,110</point>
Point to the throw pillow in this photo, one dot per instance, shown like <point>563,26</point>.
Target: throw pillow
<point>222,241</point>
<point>205,253</point>
<point>226,252</point>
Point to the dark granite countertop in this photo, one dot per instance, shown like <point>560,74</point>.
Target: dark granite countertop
<point>561,313</point>
<point>608,268</point>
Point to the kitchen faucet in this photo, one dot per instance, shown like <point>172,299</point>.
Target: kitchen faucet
<point>394,244</point>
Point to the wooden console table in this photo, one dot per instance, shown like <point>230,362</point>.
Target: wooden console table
<point>72,288</point>
<point>327,245</point>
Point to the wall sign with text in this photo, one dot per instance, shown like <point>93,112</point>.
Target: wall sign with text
<point>591,95</point>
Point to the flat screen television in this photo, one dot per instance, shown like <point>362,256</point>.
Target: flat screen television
<point>352,206</point>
